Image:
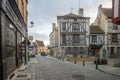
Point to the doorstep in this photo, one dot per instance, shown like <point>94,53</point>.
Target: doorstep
<point>22,76</point>
<point>22,68</point>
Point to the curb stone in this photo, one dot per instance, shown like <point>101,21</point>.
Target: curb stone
<point>109,73</point>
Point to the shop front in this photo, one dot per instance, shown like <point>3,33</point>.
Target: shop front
<point>12,34</point>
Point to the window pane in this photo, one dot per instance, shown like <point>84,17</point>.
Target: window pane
<point>116,8</point>
<point>94,38</point>
<point>63,26</point>
<point>10,46</point>
<point>75,26</point>
<point>115,26</point>
<point>114,37</point>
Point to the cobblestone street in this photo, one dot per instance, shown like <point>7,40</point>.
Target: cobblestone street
<point>44,68</point>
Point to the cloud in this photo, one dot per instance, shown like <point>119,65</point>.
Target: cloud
<point>39,36</point>
<point>44,13</point>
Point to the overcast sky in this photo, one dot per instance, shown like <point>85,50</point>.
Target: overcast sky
<point>44,13</point>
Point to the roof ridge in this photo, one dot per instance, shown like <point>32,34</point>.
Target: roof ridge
<point>71,14</point>
<point>106,8</point>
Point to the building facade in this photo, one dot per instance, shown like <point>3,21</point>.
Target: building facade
<point>111,30</point>
<point>12,34</point>
<point>54,40</point>
<point>40,45</point>
<point>97,41</point>
<point>31,46</point>
<point>35,48</point>
<point>72,34</point>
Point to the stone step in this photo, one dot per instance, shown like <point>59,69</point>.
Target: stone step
<point>22,76</point>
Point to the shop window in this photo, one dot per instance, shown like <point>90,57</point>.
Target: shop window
<point>19,48</point>
<point>10,40</point>
<point>10,46</point>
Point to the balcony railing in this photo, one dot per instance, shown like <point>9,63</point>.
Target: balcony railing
<point>97,43</point>
<point>73,31</point>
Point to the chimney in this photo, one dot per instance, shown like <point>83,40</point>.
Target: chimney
<point>80,12</point>
<point>53,26</point>
<point>100,6</point>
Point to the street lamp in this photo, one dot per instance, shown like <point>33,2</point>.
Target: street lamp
<point>27,41</point>
<point>31,24</point>
<point>96,56</point>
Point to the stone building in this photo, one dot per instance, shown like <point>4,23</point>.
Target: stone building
<point>13,30</point>
<point>54,40</point>
<point>111,31</point>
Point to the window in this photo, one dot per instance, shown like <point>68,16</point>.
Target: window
<point>114,37</point>
<point>63,26</point>
<point>115,26</point>
<point>75,26</point>
<point>10,40</point>
<point>76,38</point>
<point>94,38</point>
<point>63,38</point>
<point>19,48</point>
<point>69,50</point>
<point>116,8</point>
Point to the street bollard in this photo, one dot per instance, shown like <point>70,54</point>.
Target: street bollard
<point>96,64</point>
<point>83,63</point>
<point>68,58</point>
<point>75,61</point>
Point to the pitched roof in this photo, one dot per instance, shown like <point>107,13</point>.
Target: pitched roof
<point>96,30</point>
<point>107,12</point>
<point>40,43</point>
<point>71,15</point>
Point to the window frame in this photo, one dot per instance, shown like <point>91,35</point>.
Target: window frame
<point>114,37</point>
<point>94,39</point>
<point>74,27</point>
<point>64,26</point>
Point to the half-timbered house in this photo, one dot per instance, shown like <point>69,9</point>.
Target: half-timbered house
<point>72,34</point>
<point>97,41</point>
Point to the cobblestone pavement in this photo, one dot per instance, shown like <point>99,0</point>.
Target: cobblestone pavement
<point>35,70</point>
<point>52,69</point>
